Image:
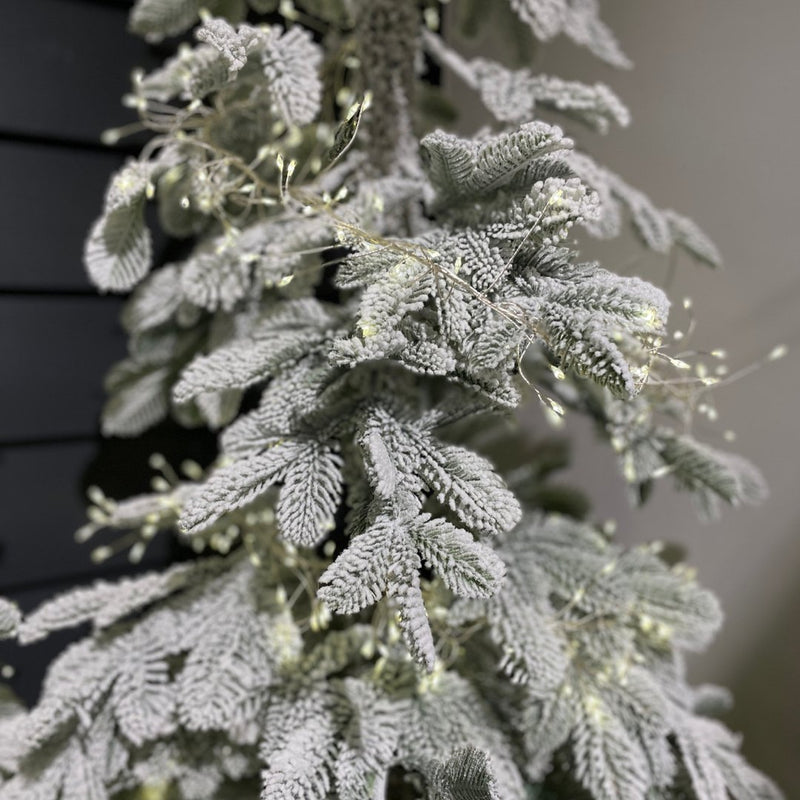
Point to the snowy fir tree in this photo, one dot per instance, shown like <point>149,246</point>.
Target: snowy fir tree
<point>391,596</point>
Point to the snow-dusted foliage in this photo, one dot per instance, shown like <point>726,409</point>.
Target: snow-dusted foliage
<point>399,603</point>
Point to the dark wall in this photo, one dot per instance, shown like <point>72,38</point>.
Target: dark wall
<point>64,65</point>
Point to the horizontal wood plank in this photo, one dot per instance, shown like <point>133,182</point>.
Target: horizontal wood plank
<point>43,494</point>
<point>44,503</point>
<point>54,352</point>
<point>51,197</point>
<point>64,67</point>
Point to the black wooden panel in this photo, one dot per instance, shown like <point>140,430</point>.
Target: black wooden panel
<point>54,352</point>
<point>64,67</point>
<point>50,197</point>
<point>43,497</point>
<point>43,490</point>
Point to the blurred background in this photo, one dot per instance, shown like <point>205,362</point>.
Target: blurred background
<point>716,119</point>
<point>714,99</point>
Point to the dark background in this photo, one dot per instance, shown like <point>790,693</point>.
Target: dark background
<point>716,126</point>
<point>64,65</point>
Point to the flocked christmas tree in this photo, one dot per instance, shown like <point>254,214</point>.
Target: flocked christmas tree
<point>390,598</point>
